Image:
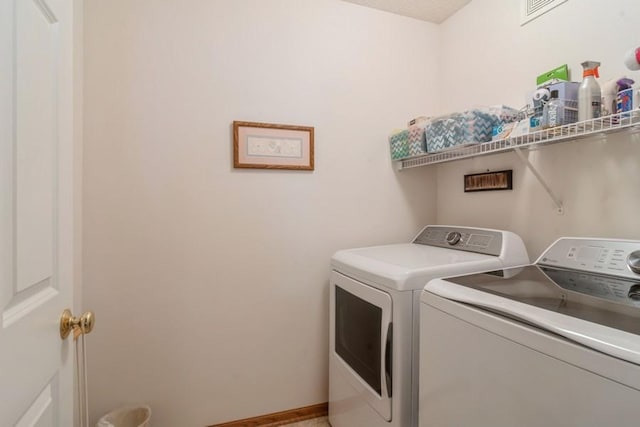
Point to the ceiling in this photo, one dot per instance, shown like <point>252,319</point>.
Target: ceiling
<point>434,11</point>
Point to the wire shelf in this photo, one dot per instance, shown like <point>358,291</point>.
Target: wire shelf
<point>627,121</point>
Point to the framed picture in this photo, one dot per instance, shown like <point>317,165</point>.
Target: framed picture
<point>271,146</point>
<point>489,181</point>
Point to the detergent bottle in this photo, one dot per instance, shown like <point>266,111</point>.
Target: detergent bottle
<point>589,94</point>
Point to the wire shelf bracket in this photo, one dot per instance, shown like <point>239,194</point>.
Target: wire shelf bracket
<point>602,126</point>
<point>556,200</point>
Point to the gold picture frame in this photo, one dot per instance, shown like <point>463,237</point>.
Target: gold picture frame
<point>272,146</point>
<point>489,181</point>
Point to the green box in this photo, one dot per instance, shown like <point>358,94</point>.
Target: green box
<point>560,73</point>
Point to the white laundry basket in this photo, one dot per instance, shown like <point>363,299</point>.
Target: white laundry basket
<point>127,416</point>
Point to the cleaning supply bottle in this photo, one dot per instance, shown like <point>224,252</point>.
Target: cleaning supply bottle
<point>609,93</point>
<point>589,94</point>
<point>553,113</point>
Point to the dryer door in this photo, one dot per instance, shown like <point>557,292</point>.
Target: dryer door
<point>361,339</point>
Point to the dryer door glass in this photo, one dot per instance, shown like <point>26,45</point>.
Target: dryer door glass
<point>358,336</point>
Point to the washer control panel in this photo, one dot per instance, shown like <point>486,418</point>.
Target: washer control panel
<point>478,240</point>
<point>633,261</point>
<point>614,257</point>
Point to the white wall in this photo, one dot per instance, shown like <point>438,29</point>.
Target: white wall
<point>210,285</point>
<point>487,58</point>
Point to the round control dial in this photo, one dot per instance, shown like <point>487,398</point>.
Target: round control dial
<point>633,261</point>
<point>634,292</point>
<point>453,237</point>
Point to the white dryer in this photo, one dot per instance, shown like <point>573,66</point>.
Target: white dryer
<point>374,317</point>
<point>556,343</point>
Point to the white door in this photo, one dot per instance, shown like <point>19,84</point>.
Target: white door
<point>37,241</point>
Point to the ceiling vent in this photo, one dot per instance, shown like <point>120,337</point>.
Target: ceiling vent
<point>531,9</point>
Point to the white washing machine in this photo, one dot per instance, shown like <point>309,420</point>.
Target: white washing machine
<point>374,317</point>
<point>556,343</point>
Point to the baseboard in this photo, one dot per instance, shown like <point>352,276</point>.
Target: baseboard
<point>281,418</point>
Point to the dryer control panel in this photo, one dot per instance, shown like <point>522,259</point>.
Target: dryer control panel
<point>483,241</point>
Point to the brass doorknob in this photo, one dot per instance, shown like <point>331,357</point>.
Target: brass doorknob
<point>68,323</point>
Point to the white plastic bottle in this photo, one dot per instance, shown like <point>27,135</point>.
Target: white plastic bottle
<point>589,93</point>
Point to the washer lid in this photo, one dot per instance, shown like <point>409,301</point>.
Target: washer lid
<point>409,266</point>
<point>598,311</point>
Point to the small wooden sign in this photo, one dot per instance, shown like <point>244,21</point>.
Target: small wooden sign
<point>489,181</point>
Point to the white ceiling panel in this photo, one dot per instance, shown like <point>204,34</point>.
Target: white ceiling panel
<point>434,11</point>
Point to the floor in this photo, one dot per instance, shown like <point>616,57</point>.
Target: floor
<point>316,422</point>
